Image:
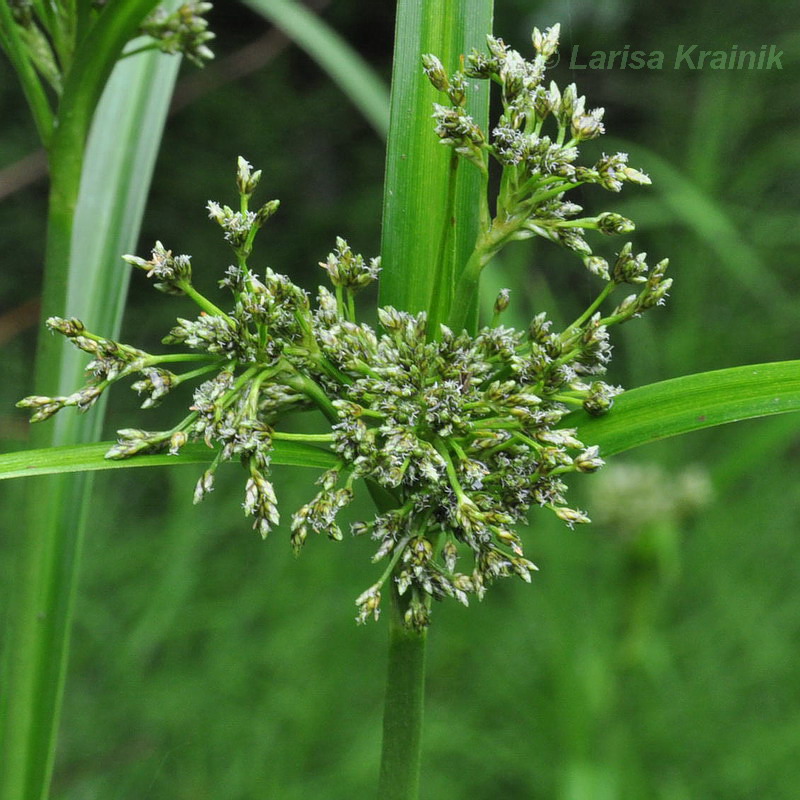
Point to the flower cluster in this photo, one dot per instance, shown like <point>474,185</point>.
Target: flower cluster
<point>39,27</point>
<point>184,30</point>
<point>537,167</point>
<point>456,435</point>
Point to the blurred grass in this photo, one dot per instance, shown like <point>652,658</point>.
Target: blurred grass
<point>208,664</point>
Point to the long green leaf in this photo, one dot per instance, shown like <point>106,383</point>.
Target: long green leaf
<point>681,405</point>
<point>91,70</point>
<point>117,168</point>
<point>415,207</point>
<point>90,458</point>
<point>345,66</point>
<point>114,186</point>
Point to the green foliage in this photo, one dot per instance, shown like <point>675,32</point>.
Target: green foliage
<point>647,414</point>
<point>459,434</point>
<point>91,457</point>
<point>686,404</point>
<point>423,189</point>
<point>623,670</point>
<point>40,617</point>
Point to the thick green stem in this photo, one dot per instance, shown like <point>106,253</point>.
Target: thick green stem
<point>466,290</point>
<point>403,709</point>
<point>36,663</point>
<point>312,390</point>
<point>431,217</point>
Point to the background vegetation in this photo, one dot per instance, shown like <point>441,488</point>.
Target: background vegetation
<point>655,654</point>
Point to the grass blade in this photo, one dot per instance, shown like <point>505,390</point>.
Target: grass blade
<point>116,178</point>
<point>116,182</point>
<point>417,165</point>
<point>346,68</point>
<point>681,405</point>
<point>90,458</point>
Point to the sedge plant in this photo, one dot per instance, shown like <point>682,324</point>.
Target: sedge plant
<point>458,430</point>
<point>460,433</point>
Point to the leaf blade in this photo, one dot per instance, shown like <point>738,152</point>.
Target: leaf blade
<point>91,458</point>
<point>417,164</point>
<point>692,402</point>
<point>39,622</point>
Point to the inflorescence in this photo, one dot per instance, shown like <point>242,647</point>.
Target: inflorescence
<point>183,30</point>
<point>456,435</point>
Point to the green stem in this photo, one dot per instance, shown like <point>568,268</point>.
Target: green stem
<point>598,301</point>
<point>312,390</point>
<point>403,709</point>
<point>280,436</point>
<point>203,301</point>
<point>541,197</point>
<point>422,196</point>
<point>48,564</point>
<point>174,358</point>
<point>488,243</point>
<point>196,373</point>
<point>451,469</point>
<point>467,288</point>
<point>143,49</point>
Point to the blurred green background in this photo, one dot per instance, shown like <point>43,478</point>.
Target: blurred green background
<point>655,654</point>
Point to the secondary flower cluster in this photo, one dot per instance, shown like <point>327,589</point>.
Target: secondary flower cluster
<point>456,435</point>
<point>39,25</point>
<point>184,30</point>
<point>537,167</point>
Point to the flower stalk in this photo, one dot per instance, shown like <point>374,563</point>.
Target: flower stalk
<point>403,707</point>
